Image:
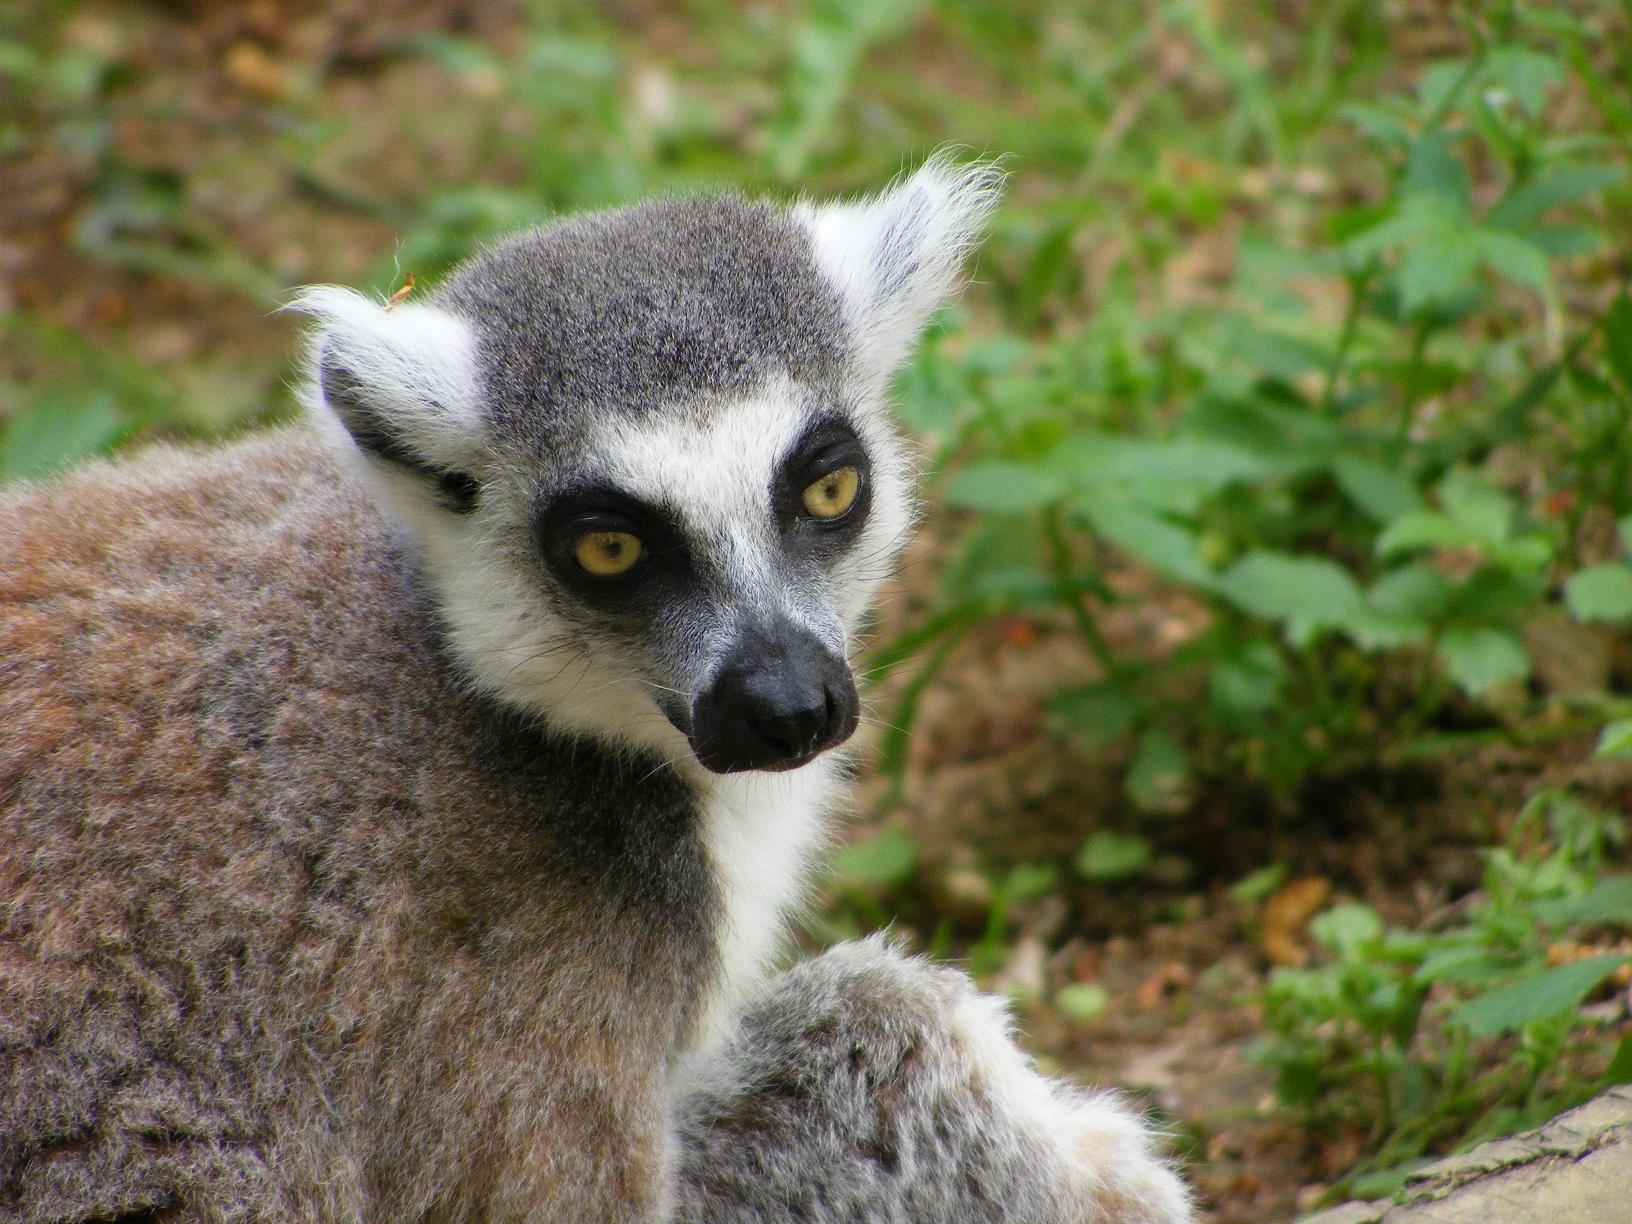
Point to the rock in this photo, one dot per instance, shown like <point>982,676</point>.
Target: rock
<point>1575,1170</point>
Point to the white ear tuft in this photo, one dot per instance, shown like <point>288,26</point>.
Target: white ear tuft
<point>896,258</point>
<point>402,380</point>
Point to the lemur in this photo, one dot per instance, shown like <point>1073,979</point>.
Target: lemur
<point>399,811</point>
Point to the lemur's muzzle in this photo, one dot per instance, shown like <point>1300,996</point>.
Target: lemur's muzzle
<point>779,697</point>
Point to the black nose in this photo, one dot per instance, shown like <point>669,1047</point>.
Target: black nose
<point>779,697</point>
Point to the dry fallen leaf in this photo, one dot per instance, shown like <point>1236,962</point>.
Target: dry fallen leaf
<point>1286,914</point>
<point>252,68</point>
<point>1169,979</point>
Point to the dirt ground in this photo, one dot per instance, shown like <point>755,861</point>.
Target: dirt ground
<point>987,783</point>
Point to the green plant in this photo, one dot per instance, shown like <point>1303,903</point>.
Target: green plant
<point>1452,1035</point>
<point>1349,496</point>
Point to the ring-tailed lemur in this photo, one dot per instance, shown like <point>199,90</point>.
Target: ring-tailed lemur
<point>394,809</point>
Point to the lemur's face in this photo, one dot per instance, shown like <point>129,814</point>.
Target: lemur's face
<point>647,458</point>
<point>724,558</point>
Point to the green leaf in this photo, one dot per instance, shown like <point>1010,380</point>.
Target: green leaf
<point>1257,885</point>
<point>1439,82</point>
<point>1600,592</point>
<point>1028,881</point>
<point>1163,545</point>
<point>1081,1001</point>
<point>1277,353</point>
<point>1516,258</point>
<point>1510,418</point>
<point>1423,529</point>
<point>1003,488</point>
<point>1528,554</point>
<point>1099,713</point>
<point>460,56</point>
<point>52,434</point>
<point>1413,218</point>
<point>1609,900</point>
<point>1618,348</point>
<point>1154,473</point>
<point>1524,73</point>
<point>1433,169</point>
<point>1567,241</point>
<point>884,861</point>
<point>1477,505</point>
<point>1480,659</point>
<point>1246,682</point>
<point>1558,186</point>
<point>1615,740</point>
<point>1376,124</point>
<point>1290,439</point>
<point>1386,1183</point>
<point>1306,593</point>
<point>1510,1008</point>
<point>1619,1070</point>
<point>1436,270</point>
<point>1159,775</point>
<point>1466,961</point>
<point>1415,594</point>
<point>1346,929</point>
<point>1020,586</point>
<point>1112,856</point>
<point>1382,492</point>
<point>1492,596</point>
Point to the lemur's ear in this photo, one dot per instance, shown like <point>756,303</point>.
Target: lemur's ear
<point>896,258</point>
<point>402,383</point>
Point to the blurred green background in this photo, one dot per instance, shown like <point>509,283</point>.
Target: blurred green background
<point>1257,710</point>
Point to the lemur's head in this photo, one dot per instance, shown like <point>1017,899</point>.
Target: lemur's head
<point>647,457</point>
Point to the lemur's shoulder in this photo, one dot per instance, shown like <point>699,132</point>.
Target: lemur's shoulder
<point>173,514</point>
<point>144,592</point>
<point>270,864</point>
<point>231,646</point>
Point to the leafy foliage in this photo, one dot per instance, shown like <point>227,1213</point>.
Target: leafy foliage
<point>1372,502</point>
<point>1392,1023</point>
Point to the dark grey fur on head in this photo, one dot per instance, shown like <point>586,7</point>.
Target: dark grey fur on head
<point>629,310</point>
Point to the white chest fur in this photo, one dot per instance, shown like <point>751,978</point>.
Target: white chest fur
<point>762,833</point>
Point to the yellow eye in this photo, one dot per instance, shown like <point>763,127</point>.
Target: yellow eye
<point>606,554</point>
<point>833,494</point>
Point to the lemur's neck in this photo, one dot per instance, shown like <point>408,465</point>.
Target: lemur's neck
<point>762,833</point>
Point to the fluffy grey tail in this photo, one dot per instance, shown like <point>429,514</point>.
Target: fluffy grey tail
<point>868,1085</point>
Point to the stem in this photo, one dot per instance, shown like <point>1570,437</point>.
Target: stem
<point>1359,286</point>
<point>1430,690</point>
<point>1413,380</point>
<point>1059,550</point>
<point>1320,688</point>
<point>1385,1101</point>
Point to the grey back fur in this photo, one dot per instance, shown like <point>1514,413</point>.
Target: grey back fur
<point>285,937</point>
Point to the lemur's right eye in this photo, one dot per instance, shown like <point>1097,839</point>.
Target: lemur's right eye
<point>606,554</point>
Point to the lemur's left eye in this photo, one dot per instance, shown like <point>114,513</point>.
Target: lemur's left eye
<point>829,496</point>
<point>606,554</point>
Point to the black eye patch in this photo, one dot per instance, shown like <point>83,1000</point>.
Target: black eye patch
<point>830,443</point>
<point>569,517</point>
